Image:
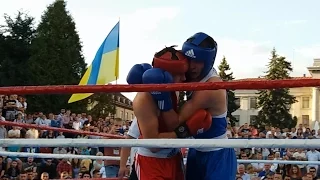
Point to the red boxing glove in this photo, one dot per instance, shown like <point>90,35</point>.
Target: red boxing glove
<point>199,121</point>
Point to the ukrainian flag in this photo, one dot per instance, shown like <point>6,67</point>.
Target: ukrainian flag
<point>105,65</point>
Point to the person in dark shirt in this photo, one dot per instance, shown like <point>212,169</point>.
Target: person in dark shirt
<point>13,171</point>
<point>11,106</point>
<point>2,167</point>
<point>49,168</point>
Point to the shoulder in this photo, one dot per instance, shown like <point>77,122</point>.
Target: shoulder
<point>143,103</point>
<point>210,94</point>
<point>141,100</point>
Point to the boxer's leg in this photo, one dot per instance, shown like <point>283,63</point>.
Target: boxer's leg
<point>192,172</point>
<point>150,168</point>
<point>221,164</point>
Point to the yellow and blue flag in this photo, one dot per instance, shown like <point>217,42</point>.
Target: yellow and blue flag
<point>105,65</point>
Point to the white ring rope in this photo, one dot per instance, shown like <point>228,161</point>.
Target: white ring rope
<point>279,162</point>
<point>72,156</point>
<point>165,143</point>
<point>56,156</point>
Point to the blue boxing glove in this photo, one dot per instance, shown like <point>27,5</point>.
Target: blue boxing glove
<point>135,74</point>
<point>159,76</point>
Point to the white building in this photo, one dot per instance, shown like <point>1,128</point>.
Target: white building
<point>306,109</point>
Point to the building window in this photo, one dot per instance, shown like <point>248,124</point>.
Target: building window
<point>124,100</point>
<point>118,98</point>
<point>305,120</point>
<point>253,103</point>
<point>305,102</point>
<point>237,123</point>
<point>132,116</point>
<point>127,116</point>
<point>237,101</point>
<point>112,96</point>
<point>121,114</point>
<point>253,119</point>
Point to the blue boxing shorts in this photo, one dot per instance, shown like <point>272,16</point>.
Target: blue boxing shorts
<point>213,165</point>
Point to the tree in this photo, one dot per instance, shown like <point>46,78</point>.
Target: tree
<point>16,37</point>
<point>275,103</point>
<point>56,59</point>
<point>224,67</point>
<point>101,105</point>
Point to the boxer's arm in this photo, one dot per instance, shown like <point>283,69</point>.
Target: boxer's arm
<point>171,119</point>
<point>200,100</point>
<point>146,113</point>
<point>125,153</point>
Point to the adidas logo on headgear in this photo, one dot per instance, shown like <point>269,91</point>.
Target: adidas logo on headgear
<point>190,53</point>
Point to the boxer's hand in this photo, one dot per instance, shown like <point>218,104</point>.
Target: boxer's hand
<point>199,121</point>
<point>123,172</point>
<point>158,76</point>
<point>135,74</point>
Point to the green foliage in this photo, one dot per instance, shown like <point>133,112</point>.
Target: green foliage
<point>224,67</point>
<point>16,36</point>
<point>275,103</point>
<point>56,59</point>
<point>101,105</point>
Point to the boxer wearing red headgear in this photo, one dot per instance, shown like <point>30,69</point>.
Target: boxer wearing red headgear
<point>169,66</point>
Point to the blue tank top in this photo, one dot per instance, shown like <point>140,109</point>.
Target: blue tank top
<point>218,127</point>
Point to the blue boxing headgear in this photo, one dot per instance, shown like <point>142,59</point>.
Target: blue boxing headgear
<point>196,50</point>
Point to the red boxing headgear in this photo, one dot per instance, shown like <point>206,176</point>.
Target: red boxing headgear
<point>171,60</point>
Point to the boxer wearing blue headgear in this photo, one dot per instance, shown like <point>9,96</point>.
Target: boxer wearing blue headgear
<point>206,163</point>
<point>197,50</point>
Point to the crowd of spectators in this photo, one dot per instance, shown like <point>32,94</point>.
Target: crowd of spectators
<point>13,108</point>
<point>270,171</point>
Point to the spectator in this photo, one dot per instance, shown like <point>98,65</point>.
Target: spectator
<point>266,170</point>
<point>242,173</point>
<point>99,168</point>
<point>64,167</point>
<point>44,176</point>
<point>13,171</point>
<point>49,168</point>
<point>111,168</point>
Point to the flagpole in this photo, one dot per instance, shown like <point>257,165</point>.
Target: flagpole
<point>118,54</point>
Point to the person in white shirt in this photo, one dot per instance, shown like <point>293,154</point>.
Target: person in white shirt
<point>318,134</point>
<point>300,155</point>
<point>271,133</point>
<point>312,155</point>
<point>32,134</point>
<point>293,132</point>
<point>258,167</point>
<point>127,154</point>
<point>242,173</point>
<point>76,124</point>
<point>59,150</point>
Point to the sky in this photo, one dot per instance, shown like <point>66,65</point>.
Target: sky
<point>245,30</point>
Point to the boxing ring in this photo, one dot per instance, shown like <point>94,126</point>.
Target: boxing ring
<point>119,141</point>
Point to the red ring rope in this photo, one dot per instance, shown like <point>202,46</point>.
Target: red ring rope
<point>7,123</point>
<point>68,89</point>
<point>101,179</point>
